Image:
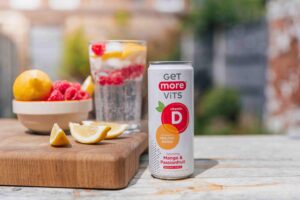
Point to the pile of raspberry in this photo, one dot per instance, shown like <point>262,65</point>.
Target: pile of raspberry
<point>65,91</point>
<point>118,76</point>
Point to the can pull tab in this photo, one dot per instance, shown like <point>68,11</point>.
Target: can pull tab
<point>176,117</point>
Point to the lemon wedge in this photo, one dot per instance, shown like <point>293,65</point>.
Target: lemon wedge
<point>58,137</point>
<point>115,131</point>
<point>88,85</point>
<point>88,134</point>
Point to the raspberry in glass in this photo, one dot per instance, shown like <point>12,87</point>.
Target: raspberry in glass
<point>98,49</point>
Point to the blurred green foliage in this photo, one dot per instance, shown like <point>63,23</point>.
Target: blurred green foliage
<point>221,102</point>
<point>207,15</point>
<point>122,17</point>
<point>75,63</point>
<point>218,111</point>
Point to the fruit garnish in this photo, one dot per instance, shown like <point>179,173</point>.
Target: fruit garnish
<point>32,85</point>
<point>58,137</point>
<point>133,49</point>
<point>98,49</point>
<point>115,131</point>
<point>133,71</point>
<point>112,54</point>
<point>88,85</point>
<point>88,134</point>
<point>56,95</point>
<point>117,78</point>
<point>102,80</point>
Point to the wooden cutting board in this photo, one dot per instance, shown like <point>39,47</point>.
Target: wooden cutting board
<point>27,159</point>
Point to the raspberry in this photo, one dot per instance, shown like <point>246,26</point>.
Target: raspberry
<point>83,95</point>
<point>102,80</point>
<point>117,78</point>
<point>62,86</point>
<point>127,72</point>
<point>141,69</point>
<point>76,96</point>
<point>138,71</point>
<point>86,96</point>
<point>109,80</point>
<point>98,49</point>
<point>56,95</point>
<point>77,85</point>
<point>71,93</point>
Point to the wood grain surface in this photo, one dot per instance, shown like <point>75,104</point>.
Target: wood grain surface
<point>260,167</point>
<point>226,167</point>
<point>27,159</point>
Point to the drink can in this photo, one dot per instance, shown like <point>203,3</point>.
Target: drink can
<point>171,119</point>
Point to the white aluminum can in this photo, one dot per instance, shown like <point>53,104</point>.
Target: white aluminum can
<point>171,119</point>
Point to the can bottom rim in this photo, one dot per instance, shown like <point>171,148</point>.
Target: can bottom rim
<point>171,178</point>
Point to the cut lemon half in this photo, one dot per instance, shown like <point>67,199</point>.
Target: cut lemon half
<point>58,137</point>
<point>115,131</point>
<point>88,85</point>
<point>88,134</point>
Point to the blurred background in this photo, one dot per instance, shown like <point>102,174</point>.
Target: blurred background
<point>245,52</point>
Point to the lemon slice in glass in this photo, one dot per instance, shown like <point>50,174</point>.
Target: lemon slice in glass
<point>133,50</point>
<point>112,54</point>
<point>115,131</point>
<point>58,137</point>
<point>88,85</point>
<point>88,134</point>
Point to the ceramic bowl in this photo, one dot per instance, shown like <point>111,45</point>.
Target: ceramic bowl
<point>39,116</point>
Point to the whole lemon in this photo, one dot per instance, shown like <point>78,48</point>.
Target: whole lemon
<point>32,85</point>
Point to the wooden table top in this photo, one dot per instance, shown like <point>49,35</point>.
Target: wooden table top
<point>227,167</point>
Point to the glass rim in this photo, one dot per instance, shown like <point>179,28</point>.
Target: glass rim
<point>121,41</point>
<point>169,62</point>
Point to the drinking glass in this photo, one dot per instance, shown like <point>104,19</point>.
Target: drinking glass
<point>117,67</point>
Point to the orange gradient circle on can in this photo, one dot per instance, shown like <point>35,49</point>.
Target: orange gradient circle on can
<point>167,136</point>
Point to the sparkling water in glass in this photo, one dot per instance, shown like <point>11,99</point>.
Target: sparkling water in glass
<point>117,67</point>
